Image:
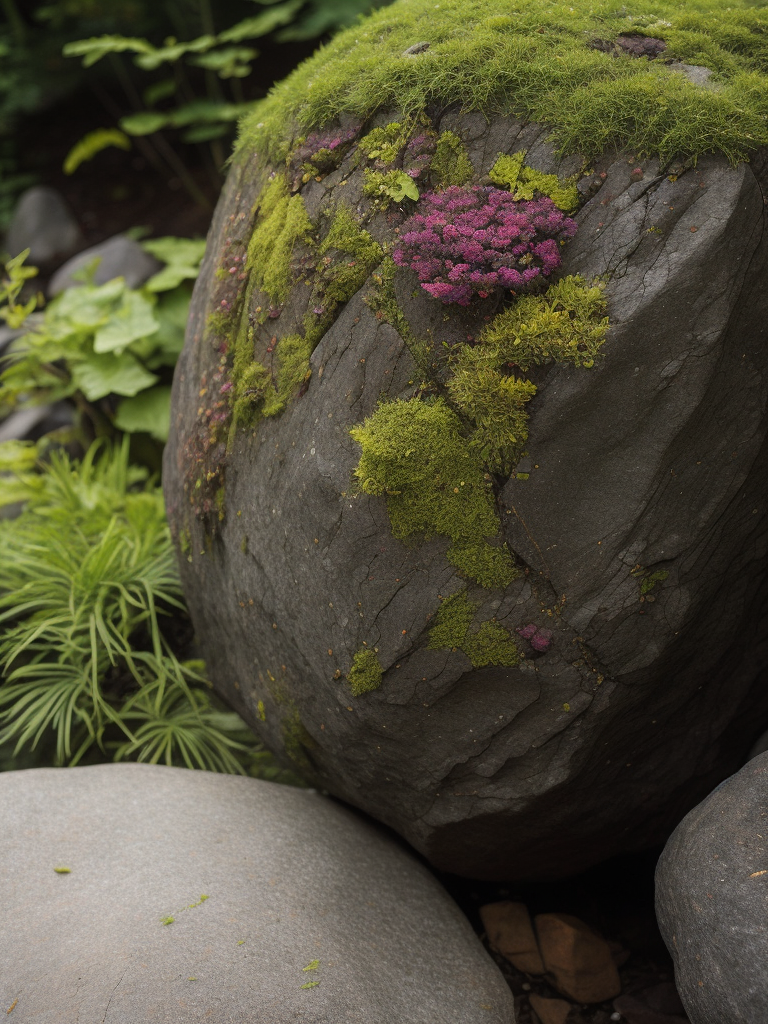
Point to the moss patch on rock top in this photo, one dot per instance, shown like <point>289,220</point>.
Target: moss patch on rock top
<point>539,60</point>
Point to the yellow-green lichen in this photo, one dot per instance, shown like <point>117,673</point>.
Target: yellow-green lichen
<point>533,59</point>
<point>384,144</point>
<point>296,740</point>
<point>415,453</point>
<point>524,182</point>
<point>451,164</point>
<point>366,672</point>
<point>282,224</point>
<point>388,186</point>
<point>489,644</point>
<point>567,323</point>
<point>650,581</point>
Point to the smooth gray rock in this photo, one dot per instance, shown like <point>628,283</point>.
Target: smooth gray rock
<point>653,462</point>
<point>291,878</point>
<point>711,897</point>
<point>119,257</point>
<point>43,223</point>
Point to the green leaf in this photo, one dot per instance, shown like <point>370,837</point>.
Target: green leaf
<point>404,186</point>
<point>88,306</point>
<point>261,24</point>
<point>206,132</point>
<point>132,320</point>
<point>159,91</point>
<point>102,375</point>
<point>231,62</point>
<point>182,257</point>
<point>171,53</point>
<point>148,412</point>
<point>96,47</point>
<point>93,143</point>
<point>144,123</point>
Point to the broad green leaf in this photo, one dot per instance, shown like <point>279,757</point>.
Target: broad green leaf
<point>182,256</point>
<point>149,412</point>
<point>324,17</point>
<point>206,132</point>
<point>96,47</point>
<point>93,143</point>
<point>103,375</point>
<point>261,24</point>
<point>144,123</point>
<point>207,110</point>
<point>132,320</point>
<point>88,306</point>
<point>404,186</point>
<point>173,51</point>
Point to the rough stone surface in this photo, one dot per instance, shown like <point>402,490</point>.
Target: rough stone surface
<point>291,878</point>
<point>119,257</point>
<point>711,893</point>
<point>44,224</point>
<point>653,461</point>
<point>578,960</point>
<point>510,932</point>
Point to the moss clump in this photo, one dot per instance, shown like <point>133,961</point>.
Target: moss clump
<point>346,276</point>
<point>649,582</point>
<point>510,172</point>
<point>296,739</point>
<point>415,454</point>
<point>366,672</point>
<point>388,186</point>
<point>451,164</point>
<point>533,59</point>
<point>567,323</point>
<point>283,223</point>
<point>489,644</point>
<point>384,145</point>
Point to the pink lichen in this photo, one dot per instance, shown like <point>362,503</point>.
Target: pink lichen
<point>471,241</point>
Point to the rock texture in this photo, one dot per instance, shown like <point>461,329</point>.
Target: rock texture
<point>711,891</point>
<point>637,518</point>
<point>43,223</point>
<point>311,913</point>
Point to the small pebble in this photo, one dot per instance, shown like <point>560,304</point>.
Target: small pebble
<point>615,1016</point>
<point>526,987</point>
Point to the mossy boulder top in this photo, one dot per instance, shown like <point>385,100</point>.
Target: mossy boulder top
<point>468,443</point>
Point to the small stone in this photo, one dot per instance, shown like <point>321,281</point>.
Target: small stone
<point>578,959</point>
<point>659,1004</point>
<point>550,1011</point>
<point>43,223</point>
<point>510,933</point>
<point>118,257</point>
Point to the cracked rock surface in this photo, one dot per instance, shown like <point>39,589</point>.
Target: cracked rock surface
<point>195,897</point>
<point>655,461</point>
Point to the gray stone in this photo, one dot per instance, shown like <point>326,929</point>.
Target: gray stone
<point>695,73</point>
<point>291,877</point>
<point>119,257</point>
<point>653,462</point>
<point>43,223</point>
<point>711,893</point>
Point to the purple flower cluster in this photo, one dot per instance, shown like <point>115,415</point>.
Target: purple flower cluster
<point>469,241</point>
<point>538,638</point>
<point>418,154</point>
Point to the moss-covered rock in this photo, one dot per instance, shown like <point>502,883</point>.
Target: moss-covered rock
<point>501,558</point>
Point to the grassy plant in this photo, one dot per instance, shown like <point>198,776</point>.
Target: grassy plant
<point>90,615</point>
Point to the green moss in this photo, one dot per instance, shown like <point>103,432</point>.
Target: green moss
<point>261,712</point>
<point>567,323</point>
<point>366,672</point>
<point>649,582</point>
<point>415,454</point>
<point>532,58</point>
<point>296,739</point>
<point>282,224</point>
<point>384,144</point>
<point>343,278</point>
<point>489,644</point>
<point>510,172</point>
<point>451,164</point>
<point>383,301</point>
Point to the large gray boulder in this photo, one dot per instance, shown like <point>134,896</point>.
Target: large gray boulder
<point>637,520</point>
<point>118,256</point>
<point>194,897</point>
<point>711,892</point>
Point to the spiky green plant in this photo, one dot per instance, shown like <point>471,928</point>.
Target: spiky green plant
<point>90,602</point>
